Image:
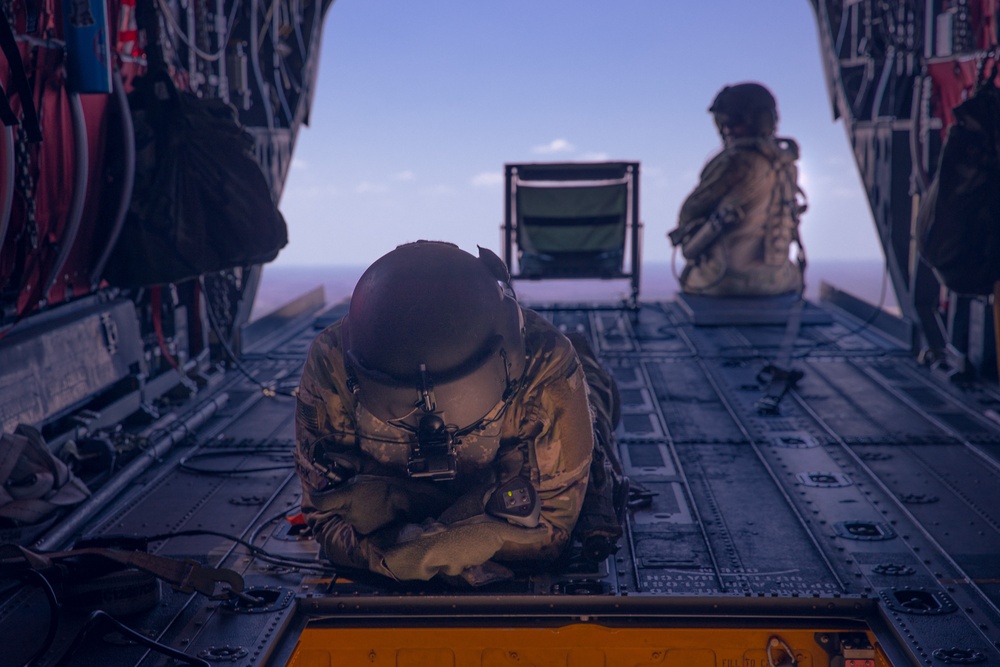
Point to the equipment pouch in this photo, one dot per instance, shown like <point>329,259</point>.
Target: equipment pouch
<point>701,237</point>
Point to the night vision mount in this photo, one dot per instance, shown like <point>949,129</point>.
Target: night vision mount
<point>432,455</point>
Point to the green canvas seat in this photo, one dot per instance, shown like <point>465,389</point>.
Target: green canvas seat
<point>573,220</point>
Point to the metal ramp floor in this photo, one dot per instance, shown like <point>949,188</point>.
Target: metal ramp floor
<point>867,501</point>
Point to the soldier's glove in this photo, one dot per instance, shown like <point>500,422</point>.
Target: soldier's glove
<point>414,531</point>
<point>430,550</point>
<point>489,572</point>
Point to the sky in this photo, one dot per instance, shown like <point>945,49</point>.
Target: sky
<point>419,104</point>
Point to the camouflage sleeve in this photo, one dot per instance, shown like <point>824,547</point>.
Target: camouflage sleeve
<point>326,453</point>
<point>719,178</point>
<point>557,442</point>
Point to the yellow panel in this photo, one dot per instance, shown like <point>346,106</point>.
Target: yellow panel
<point>576,645</point>
<point>425,657</point>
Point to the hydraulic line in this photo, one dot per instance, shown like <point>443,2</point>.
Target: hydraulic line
<point>178,431</point>
<point>80,176</point>
<point>255,45</point>
<point>128,178</point>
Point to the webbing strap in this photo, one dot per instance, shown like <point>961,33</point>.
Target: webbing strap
<point>780,376</point>
<point>186,576</point>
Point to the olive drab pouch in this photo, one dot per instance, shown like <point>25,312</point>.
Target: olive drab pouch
<point>958,223</point>
<point>201,202</point>
<point>34,482</point>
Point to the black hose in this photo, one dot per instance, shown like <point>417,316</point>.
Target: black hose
<point>81,169</point>
<point>128,179</point>
<point>50,636</point>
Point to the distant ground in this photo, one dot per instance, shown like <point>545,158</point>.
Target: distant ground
<point>281,284</point>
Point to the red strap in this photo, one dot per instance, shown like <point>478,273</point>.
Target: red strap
<point>154,303</point>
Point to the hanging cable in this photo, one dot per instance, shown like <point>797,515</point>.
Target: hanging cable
<point>127,179</point>
<point>100,619</point>
<point>268,390</point>
<point>81,174</point>
<point>865,324</point>
<point>54,607</point>
<point>258,552</point>
<point>97,619</point>
<point>175,28</point>
<point>185,462</point>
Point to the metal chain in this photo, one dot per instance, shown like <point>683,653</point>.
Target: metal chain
<point>25,180</point>
<point>26,186</point>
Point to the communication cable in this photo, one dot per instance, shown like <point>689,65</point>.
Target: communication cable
<point>287,561</point>
<point>54,607</point>
<point>268,390</point>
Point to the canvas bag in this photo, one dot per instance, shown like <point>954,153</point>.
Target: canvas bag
<point>958,223</point>
<point>201,202</point>
<point>33,482</point>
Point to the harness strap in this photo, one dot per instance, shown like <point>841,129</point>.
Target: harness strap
<point>186,576</point>
<point>786,192</point>
<point>779,377</point>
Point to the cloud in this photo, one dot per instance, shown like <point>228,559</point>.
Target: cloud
<point>439,191</point>
<point>487,179</point>
<point>369,188</point>
<point>823,184</point>
<point>597,156</point>
<point>299,164</point>
<point>309,191</point>
<point>554,146</point>
<point>405,175</point>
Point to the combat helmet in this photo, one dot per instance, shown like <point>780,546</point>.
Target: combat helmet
<point>749,104</point>
<point>434,339</point>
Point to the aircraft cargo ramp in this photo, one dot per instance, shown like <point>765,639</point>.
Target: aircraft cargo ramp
<point>818,498</point>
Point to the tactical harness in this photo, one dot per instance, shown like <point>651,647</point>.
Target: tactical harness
<point>785,208</point>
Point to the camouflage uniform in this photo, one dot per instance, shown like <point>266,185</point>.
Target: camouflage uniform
<point>367,513</point>
<point>756,178</point>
